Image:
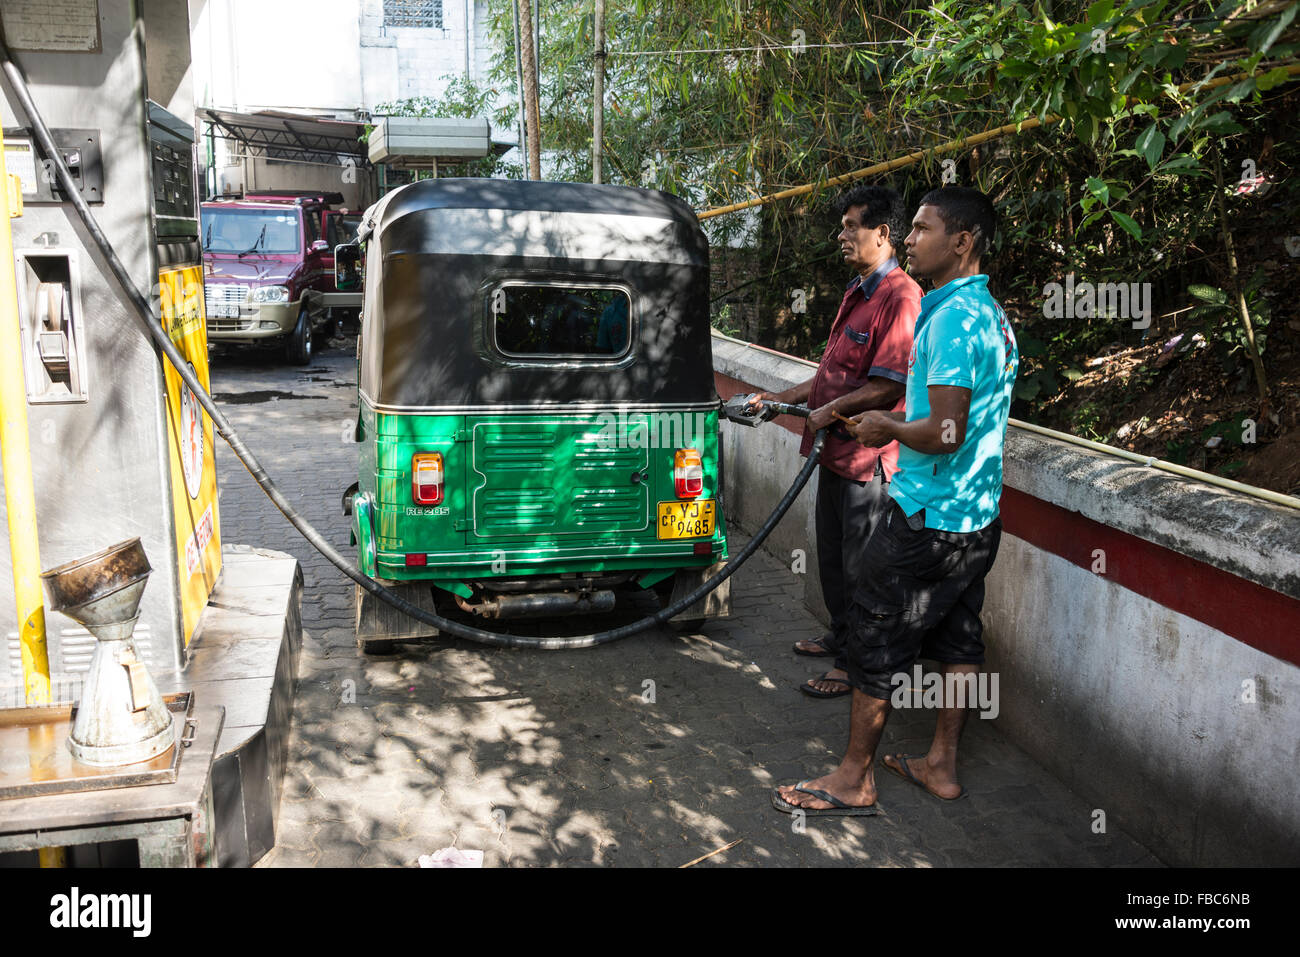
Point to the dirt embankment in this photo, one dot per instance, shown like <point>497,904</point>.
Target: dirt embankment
<point>1177,403</point>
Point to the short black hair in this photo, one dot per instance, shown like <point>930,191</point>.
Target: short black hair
<point>882,205</point>
<point>964,209</point>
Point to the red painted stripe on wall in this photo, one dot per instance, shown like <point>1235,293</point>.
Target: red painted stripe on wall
<point>1254,615</point>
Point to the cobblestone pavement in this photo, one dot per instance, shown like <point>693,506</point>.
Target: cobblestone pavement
<point>548,758</point>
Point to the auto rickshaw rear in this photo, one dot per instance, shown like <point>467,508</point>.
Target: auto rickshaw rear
<point>538,422</point>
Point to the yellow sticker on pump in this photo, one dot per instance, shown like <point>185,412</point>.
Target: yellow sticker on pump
<point>685,519</point>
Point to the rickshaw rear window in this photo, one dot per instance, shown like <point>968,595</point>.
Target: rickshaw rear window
<point>561,321</point>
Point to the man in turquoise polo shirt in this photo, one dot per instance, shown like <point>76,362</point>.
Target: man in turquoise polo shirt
<point>923,589</point>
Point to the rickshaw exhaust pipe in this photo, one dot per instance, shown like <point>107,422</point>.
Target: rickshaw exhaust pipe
<point>542,604</point>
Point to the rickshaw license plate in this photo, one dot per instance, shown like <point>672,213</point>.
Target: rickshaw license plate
<point>686,519</point>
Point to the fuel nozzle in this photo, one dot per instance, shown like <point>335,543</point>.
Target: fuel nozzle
<point>742,410</point>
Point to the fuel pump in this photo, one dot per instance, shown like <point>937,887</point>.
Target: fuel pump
<point>119,447</point>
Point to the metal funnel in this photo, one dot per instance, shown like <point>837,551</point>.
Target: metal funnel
<point>121,718</point>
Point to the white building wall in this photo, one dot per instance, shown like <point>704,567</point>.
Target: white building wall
<point>326,57</point>
<point>321,57</point>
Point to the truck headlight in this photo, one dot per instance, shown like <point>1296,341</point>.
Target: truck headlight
<point>270,294</point>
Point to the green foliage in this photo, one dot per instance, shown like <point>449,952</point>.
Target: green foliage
<point>1086,421</point>
<point>720,101</point>
<point>1218,313</point>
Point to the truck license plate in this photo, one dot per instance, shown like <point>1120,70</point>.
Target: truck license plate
<point>686,519</point>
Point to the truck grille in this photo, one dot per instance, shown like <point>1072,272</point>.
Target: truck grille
<point>225,293</point>
<point>231,325</point>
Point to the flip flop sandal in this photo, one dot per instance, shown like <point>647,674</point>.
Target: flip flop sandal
<point>838,808</point>
<point>906,774</point>
<point>820,643</point>
<point>812,692</point>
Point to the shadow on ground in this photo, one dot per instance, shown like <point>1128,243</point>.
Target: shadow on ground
<point>654,750</point>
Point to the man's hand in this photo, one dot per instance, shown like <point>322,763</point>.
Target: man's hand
<point>795,395</point>
<point>757,409</point>
<point>873,428</point>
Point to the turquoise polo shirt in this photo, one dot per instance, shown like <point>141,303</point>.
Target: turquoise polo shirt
<point>963,338</point>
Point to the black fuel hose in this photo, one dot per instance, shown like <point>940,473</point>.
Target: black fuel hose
<point>245,455</point>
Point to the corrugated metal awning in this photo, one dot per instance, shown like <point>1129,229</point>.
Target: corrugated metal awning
<point>280,135</point>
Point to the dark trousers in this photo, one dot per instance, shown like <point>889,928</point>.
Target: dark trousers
<point>846,513</point>
<point>920,595</point>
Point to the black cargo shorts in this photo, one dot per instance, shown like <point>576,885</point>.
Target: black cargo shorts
<point>920,596</point>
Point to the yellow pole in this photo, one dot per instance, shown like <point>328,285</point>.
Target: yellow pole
<point>20,493</point>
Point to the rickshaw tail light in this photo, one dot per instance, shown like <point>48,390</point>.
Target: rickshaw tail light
<point>426,478</point>
<point>417,559</point>
<point>688,473</point>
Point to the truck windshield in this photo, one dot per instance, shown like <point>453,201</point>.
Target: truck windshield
<point>227,230</point>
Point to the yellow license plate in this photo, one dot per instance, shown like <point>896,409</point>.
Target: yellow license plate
<point>685,519</point>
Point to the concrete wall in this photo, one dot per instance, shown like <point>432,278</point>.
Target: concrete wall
<point>760,463</point>
<point>1145,627</point>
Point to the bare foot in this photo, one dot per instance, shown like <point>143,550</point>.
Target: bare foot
<point>854,793</point>
<point>813,647</point>
<point>835,681</point>
<point>917,769</point>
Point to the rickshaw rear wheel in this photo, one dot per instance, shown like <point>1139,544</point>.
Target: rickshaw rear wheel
<point>298,349</point>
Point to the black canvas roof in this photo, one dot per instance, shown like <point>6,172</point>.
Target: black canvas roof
<point>439,247</point>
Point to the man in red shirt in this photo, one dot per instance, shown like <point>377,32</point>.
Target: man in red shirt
<point>864,367</point>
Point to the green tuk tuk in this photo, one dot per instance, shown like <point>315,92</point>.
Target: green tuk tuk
<point>537,415</point>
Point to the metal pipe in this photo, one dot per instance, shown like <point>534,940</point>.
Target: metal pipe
<point>1277,498</point>
<point>542,604</point>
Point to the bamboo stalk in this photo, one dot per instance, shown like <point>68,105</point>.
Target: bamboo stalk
<point>1261,383</point>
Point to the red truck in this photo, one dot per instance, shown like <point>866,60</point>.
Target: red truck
<point>269,271</point>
